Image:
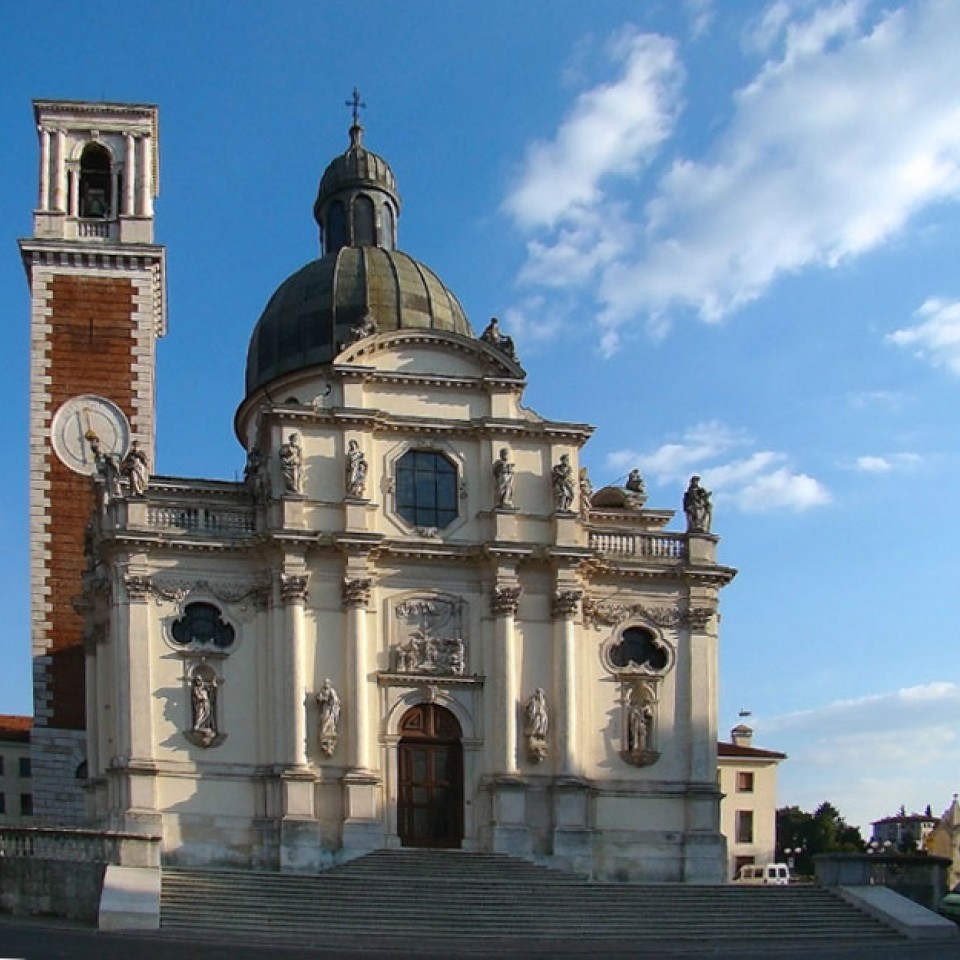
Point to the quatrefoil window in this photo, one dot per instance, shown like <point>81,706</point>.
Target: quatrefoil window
<point>640,649</point>
<point>202,625</point>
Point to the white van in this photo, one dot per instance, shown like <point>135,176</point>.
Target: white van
<point>777,874</point>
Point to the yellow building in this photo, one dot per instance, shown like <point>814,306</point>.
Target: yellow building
<point>16,782</point>
<point>748,810</point>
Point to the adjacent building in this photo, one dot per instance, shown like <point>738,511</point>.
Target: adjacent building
<point>903,831</point>
<point>748,811</point>
<point>413,623</point>
<point>16,775</point>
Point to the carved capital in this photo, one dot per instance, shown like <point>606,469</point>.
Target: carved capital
<point>356,593</point>
<point>293,589</point>
<point>565,603</point>
<point>505,600</point>
<point>138,588</point>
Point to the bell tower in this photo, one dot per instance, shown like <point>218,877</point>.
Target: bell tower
<point>97,284</point>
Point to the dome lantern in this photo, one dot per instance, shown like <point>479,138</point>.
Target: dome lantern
<point>357,203</point>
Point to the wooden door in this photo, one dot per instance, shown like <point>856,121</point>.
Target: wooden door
<point>430,796</point>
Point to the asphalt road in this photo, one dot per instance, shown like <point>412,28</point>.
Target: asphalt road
<point>55,940</point>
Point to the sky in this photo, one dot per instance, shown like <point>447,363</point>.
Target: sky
<point>726,234</point>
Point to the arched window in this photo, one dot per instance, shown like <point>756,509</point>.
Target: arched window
<point>426,488</point>
<point>95,185</point>
<point>387,222</point>
<point>639,647</point>
<point>336,232</point>
<point>202,625</point>
<point>364,232</point>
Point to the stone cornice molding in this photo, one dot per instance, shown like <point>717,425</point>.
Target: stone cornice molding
<point>504,600</point>
<point>356,593</point>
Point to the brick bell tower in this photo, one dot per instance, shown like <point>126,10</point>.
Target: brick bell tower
<point>97,283</point>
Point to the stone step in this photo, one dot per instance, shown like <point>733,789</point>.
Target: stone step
<point>454,895</point>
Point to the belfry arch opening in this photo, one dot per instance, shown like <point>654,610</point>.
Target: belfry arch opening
<point>430,787</point>
<point>96,200</point>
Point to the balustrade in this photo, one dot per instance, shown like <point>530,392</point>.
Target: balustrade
<point>644,546</point>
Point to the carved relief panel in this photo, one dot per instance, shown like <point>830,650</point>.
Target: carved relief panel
<point>429,636</point>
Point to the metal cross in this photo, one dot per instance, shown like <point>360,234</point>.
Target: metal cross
<point>357,105</point>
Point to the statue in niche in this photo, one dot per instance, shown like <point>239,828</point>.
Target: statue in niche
<point>495,338</point>
<point>135,469</point>
<point>255,474</point>
<point>562,478</point>
<point>203,704</point>
<point>586,492</point>
<point>328,704</point>
<point>356,469</point>
<point>697,507</point>
<point>503,478</point>
<point>536,725</point>
<point>291,464</point>
<point>639,718</point>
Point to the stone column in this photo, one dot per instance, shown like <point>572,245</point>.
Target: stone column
<point>503,605</point>
<point>129,175</point>
<point>134,707</point>
<point>44,199</point>
<point>60,172</point>
<point>363,828</point>
<point>293,590</point>
<point>564,611</point>
<point>146,177</point>
<point>356,596</point>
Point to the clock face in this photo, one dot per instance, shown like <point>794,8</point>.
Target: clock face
<point>84,425</point>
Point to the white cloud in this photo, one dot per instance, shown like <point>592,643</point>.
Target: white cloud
<point>936,334</point>
<point>612,130</point>
<point>869,399</point>
<point>760,481</point>
<point>887,463</point>
<point>869,755</point>
<point>847,130</point>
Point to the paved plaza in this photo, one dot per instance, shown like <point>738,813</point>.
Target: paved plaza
<point>27,939</point>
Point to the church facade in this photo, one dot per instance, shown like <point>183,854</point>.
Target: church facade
<point>413,623</point>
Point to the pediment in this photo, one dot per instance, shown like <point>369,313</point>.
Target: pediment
<point>430,353</point>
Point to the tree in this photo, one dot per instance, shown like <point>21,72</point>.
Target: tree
<point>823,831</point>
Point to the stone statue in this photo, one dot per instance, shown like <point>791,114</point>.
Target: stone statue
<point>697,507</point>
<point>503,477</point>
<point>365,327</point>
<point>635,483</point>
<point>356,469</point>
<point>110,471</point>
<point>134,468</point>
<point>586,492</point>
<point>495,338</point>
<point>536,725</point>
<point>639,724</point>
<point>291,463</point>
<point>255,474</point>
<point>328,703</point>
<point>203,695</point>
<point>563,484</point>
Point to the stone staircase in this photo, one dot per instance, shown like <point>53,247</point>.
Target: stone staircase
<point>442,897</point>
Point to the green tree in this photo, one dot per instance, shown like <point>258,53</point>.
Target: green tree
<point>823,831</point>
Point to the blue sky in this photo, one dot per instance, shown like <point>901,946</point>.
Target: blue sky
<point>726,234</point>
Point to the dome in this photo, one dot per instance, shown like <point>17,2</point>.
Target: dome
<point>358,167</point>
<point>349,293</point>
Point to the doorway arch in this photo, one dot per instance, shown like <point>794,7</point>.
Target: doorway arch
<point>430,783</point>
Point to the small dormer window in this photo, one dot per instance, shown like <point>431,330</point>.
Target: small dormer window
<point>95,183</point>
<point>335,236</point>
